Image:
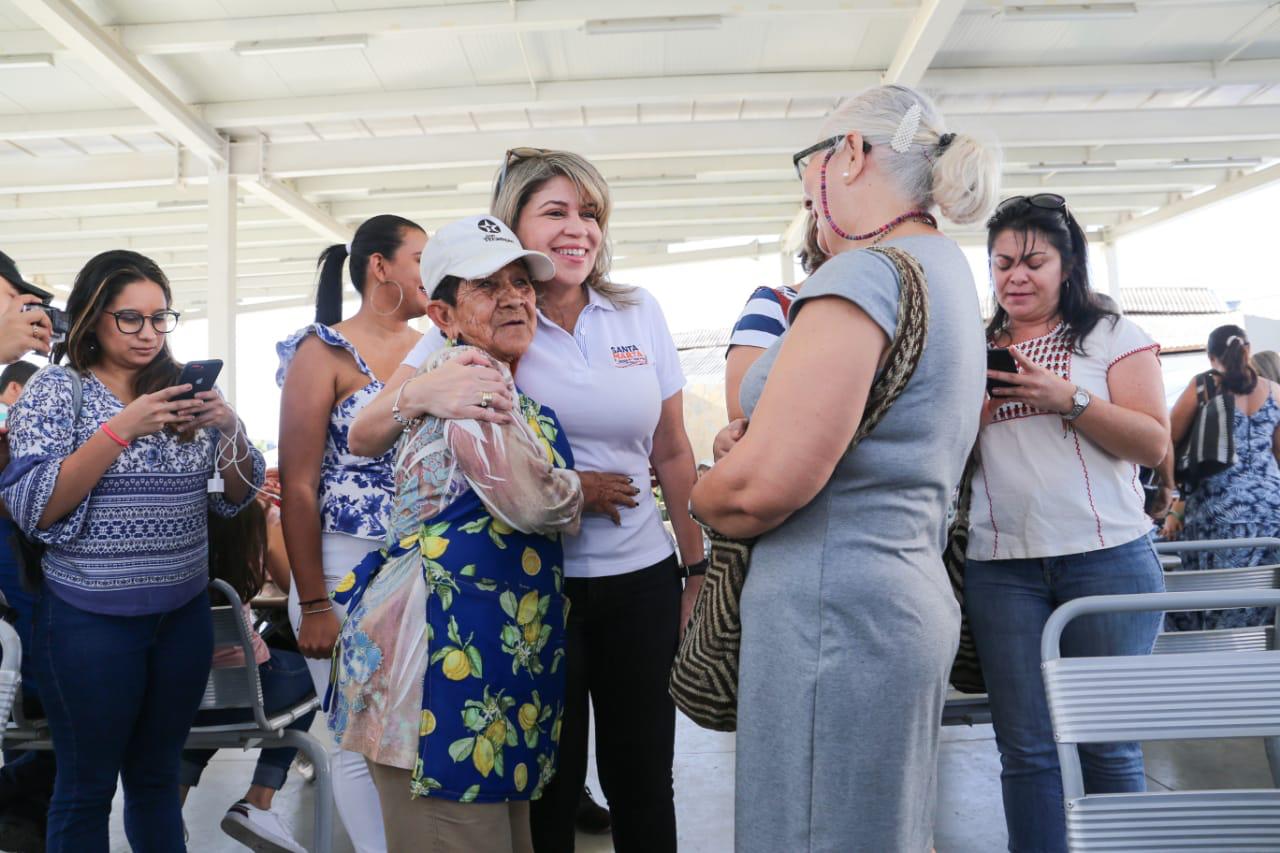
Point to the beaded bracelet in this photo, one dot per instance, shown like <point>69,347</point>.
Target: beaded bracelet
<point>405,423</point>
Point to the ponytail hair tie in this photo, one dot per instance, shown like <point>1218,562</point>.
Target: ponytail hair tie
<point>945,140</point>
<point>1236,338</point>
<point>348,248</point>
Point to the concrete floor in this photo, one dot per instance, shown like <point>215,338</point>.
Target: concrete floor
<point>970,815</point>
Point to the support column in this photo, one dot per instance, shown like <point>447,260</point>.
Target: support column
<point>1113,269</point>
<point>222,276</point>
<point>788,265</point>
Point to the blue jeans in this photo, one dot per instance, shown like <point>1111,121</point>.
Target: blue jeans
<point>1008,603</point>
<point>286,682</point>
<point>121,693</point>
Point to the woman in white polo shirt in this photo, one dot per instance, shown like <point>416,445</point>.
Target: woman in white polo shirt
<point>604,360</point>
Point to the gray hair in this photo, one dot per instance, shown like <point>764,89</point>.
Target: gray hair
<point>956,172</point>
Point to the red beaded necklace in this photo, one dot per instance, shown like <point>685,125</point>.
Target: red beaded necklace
<point>912,215</point>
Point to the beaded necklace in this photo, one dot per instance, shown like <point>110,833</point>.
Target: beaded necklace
<point>910,216</point>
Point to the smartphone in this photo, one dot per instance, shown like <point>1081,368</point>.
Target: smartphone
<point>1002,360</point>
<point>200,375</point>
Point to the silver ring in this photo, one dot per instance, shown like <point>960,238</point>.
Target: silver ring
<point>485,399</point>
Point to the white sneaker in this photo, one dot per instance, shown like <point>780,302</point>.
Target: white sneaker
<point>259,830</point>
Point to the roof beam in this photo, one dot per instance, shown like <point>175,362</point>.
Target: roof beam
<point>287,201</point>
<point>928,29</point>
<point>66,22</point>
<point>652,90</point>
<point>1230,189</point>
<point>496,16</point>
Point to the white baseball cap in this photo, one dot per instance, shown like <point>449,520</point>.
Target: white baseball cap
<point>477,246</point>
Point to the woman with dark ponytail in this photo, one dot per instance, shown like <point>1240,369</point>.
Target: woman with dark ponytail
<point>1244,500</point>
<point>335,502</point>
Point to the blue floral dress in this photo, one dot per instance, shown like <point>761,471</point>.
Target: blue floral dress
<point>450,661</point>
<point>355,491</point>
<point>1243,501</point>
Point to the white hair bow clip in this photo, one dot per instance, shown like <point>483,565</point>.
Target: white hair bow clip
<point>907,128</point>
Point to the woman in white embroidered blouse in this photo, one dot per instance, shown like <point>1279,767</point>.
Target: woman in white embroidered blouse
<point>1057,509</point>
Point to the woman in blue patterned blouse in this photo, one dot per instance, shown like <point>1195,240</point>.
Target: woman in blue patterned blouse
<point>335,503</point>
<point>116,490</point>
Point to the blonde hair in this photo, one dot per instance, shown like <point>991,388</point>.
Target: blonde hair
<point>1267,363</point>
<point>959,174</point>
<point>526,176</point>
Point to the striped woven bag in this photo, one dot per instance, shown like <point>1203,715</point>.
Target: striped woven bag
<point>704,677</point>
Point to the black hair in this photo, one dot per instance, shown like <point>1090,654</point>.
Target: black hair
<point>1077,307</point>
<point>20,372</point>
<point>1229,345</point>
<point>238,549</point>
<point>447,290</point>
<point>380,235</point>
<point>96,285</point>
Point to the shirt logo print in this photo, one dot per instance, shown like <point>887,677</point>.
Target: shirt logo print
<point>628,356</point>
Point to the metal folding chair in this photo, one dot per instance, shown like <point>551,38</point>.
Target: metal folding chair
<point>1174,696</point>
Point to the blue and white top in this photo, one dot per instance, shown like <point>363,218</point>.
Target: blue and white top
<point>355,491</point>
<point>763,318</point>
<point>139,543</point>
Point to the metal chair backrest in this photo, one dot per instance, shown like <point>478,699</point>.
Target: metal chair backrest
<point>1188,695</point>
<point>233,686</point>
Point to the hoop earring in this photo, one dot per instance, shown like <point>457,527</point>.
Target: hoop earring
<point>373,299</point>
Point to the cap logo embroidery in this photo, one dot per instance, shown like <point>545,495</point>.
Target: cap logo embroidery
<point>489,226</point>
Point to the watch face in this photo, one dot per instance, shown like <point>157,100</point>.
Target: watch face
<point>1080,398</point>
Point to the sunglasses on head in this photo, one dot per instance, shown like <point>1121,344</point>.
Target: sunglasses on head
<point>1044,201</point>
<point>513,156</point>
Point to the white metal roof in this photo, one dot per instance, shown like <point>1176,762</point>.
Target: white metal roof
<point>1134,110</point>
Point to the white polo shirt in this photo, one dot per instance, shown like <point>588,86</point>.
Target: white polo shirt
<point>606,383</point>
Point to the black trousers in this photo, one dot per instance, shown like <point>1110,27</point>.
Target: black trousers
<point>621,640</point>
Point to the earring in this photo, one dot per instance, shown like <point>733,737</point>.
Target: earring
<point>845,173</point>
<point>399,301</point>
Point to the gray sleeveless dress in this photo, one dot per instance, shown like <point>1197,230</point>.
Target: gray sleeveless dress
<point>849,625</point>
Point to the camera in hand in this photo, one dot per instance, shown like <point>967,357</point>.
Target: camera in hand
<point>57,319</point>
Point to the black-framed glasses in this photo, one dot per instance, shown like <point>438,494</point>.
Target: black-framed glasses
<point>1044,201</point>
<point>513,156</point>
<point>801,159</point>
<point>131,322</point>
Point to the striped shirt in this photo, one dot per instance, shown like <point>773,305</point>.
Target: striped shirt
<point>763,319</point>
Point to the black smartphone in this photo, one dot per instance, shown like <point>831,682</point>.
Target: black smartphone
<point>1002,360</point>
<point>200,375</point>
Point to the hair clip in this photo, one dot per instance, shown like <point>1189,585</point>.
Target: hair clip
<point>945,140</point>
<point>907,128</point>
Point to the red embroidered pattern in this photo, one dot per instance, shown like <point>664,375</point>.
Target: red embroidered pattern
<point>1050,351</point>
<point>1088,487</point>
<point>1122,356</point>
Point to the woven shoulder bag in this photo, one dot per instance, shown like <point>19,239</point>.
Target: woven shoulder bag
<point>704,678</point>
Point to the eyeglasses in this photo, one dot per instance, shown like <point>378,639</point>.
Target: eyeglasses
<point>513,156</point>
<point>1044,201</point>
<point>801,159</point>
<point>131,322</point>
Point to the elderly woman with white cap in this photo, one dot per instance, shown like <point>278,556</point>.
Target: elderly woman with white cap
<point>448,674</point>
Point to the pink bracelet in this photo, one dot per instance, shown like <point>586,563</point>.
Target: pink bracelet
<point>111,435</point>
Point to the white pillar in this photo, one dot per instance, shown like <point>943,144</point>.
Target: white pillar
<point>1113,269</point>
<point>788,266</point>
<point>222,276</point>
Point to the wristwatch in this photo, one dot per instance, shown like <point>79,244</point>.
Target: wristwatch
<point>1079,402</point>
<point>694,570</point>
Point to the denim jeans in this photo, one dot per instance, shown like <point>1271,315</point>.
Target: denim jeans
<point>120,693</point>
<point>286,681</point>
<point>1008,603</point>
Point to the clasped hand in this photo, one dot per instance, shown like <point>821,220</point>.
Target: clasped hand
<point>153,412</point>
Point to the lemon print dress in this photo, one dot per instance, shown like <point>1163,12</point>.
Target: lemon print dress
<point>450,662</point>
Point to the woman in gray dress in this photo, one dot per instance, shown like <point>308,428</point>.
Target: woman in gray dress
<point>849,625</point>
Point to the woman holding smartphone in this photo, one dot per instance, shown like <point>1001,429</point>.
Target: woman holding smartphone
<point>1057,512</point>
<point>115,486</point>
